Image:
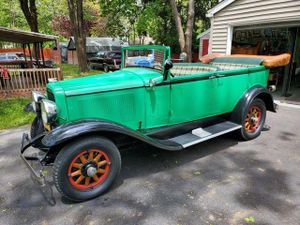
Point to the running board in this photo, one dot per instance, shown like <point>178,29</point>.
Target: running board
<point>202,134</point>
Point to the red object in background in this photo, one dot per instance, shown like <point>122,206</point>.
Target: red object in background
<point>49,53</point>
<point>205,43</point>
<point>4,72</point>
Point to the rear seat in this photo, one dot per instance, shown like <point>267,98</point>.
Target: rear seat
<point>183,69</point>
<point>231,63</point>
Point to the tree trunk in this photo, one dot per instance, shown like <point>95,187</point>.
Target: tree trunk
<point>76,18</point>
<point>189,30</point>
<point>185,39</point>
<point>178,24</point>
<point>30,12</point>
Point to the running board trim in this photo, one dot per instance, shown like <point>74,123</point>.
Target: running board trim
<point>182,139</point>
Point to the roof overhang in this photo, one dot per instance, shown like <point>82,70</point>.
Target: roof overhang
<point>203,33</point>
<point>219,7</point>
<point>24,37</point>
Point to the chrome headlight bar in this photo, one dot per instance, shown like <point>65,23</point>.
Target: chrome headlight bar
<point>37,96</point>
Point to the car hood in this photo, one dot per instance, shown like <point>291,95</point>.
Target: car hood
<point>121,79</point>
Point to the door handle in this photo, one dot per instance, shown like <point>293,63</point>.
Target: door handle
<point>212,77</point>
<point>220,75</point>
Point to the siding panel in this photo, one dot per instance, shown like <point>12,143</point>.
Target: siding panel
<point>251,12</point>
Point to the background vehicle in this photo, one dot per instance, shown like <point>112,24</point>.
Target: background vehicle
<point>82,124</point>
<point>108,61</point>
<point>10,56</point>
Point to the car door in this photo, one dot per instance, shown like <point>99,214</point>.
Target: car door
<point>193,97</point>
<point>157,105</point>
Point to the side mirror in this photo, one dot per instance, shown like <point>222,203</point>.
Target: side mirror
<point>168,64</point>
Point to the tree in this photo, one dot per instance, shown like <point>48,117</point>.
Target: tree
<point>30,12</point>
<point>121,16</point>
<point>157,22</point>
<point>94,24</point>
<point>184,39</point>
<point>76,15</point>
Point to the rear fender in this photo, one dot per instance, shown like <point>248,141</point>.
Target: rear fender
<point>255,92</point>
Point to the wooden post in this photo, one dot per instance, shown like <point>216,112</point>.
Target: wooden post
<point>30,54</point>
<point>23,45</point>
<point>37,55</point>
<point>42,52</point>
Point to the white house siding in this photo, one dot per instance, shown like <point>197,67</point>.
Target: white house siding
<point>250,13</point>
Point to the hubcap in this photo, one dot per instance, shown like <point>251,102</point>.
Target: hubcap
<point>253,119</point>
<point>89,169</point>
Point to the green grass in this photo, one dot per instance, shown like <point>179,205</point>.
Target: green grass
<point>11,110</point>
<point>12,114</point>
<point>72,71</point>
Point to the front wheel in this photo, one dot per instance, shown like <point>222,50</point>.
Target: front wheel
<point>253,120</point>
<point>86,168</point>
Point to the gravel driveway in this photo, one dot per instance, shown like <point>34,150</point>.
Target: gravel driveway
<point>218,182</point>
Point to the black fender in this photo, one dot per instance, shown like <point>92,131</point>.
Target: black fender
<point>74,130</point>
<point>255,92</point>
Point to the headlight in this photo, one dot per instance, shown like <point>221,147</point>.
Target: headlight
<point>48,109</point>
<point>37,96</point>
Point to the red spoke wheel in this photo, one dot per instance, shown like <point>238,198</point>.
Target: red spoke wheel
<point>254,120</point>
<point>86,168</point>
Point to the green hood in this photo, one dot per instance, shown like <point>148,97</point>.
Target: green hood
<point>122,79</point>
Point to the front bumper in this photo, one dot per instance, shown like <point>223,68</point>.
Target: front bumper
<point>37,176</point>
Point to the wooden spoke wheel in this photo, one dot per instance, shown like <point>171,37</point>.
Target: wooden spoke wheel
<point>89,168</point>
<point>253,120</point>
<point>86,168</point>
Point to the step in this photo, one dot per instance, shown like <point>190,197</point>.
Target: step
<point>199,135</point>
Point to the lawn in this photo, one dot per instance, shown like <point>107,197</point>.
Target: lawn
<point>72,71</point>
<point>11,110</point>
<point>12,114</point>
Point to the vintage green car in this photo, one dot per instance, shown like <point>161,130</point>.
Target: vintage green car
<point>82,124</point>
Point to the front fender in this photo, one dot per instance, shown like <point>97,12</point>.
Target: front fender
<point>255,92</point>
<point>74,130</point>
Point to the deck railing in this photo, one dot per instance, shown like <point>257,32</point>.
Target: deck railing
<point>20,82</point>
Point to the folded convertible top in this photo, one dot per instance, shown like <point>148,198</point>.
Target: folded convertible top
<point>268,61</point>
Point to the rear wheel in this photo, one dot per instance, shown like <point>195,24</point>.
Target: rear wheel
<point>253,120</point>
<point>86,168</point>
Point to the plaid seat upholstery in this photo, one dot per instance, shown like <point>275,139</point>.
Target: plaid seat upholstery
<point>230,66</point>
<point>183,69</point>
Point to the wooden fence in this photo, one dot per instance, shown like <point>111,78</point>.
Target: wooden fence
<point>20,82</point>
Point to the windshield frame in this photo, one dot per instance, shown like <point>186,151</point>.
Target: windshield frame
<point>165,49</point>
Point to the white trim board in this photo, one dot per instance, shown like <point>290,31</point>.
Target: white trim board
<point>219,7</point>
<point>287,104</point>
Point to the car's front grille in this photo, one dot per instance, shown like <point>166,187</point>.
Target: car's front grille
<point>50,95</point>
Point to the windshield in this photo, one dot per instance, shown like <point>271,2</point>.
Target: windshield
<point>116,55</point>
<point>147,58</point>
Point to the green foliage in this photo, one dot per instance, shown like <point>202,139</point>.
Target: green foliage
<point>124,18</point>
<point>12,114</point>
<point>250,219</point>
<point>11,15</point>
<point>156,21</point>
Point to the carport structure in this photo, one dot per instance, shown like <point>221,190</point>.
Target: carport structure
<point>20,77</point>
